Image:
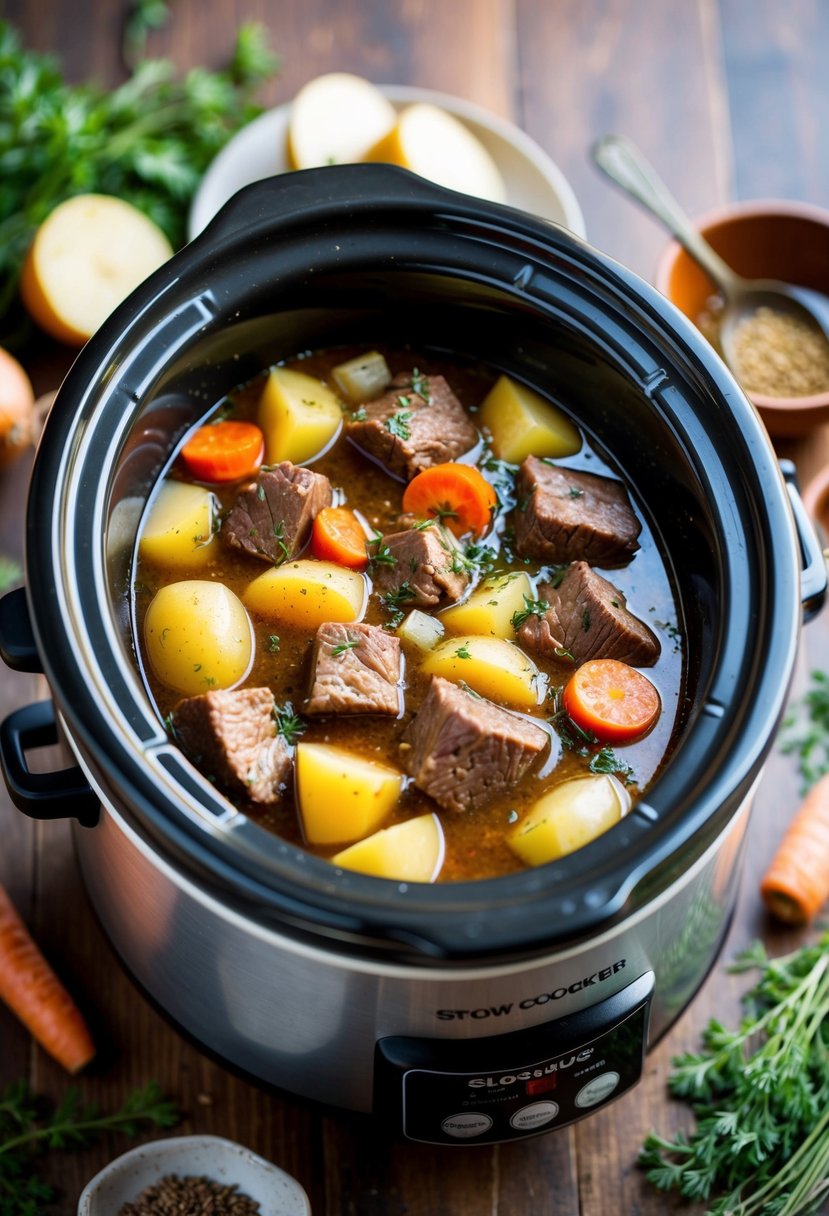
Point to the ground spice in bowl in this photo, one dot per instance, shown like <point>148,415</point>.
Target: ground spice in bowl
<point>175,1195</point>
<point>779,355</point>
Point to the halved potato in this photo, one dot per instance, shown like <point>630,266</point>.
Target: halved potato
<point>523,424</point>
<point>491,666</point>
<point>342,796</point>
<point>179,528</point>
<point>335,119</point>
<point>491,607</point>
<point>87,256</point>
<point>198,636</point>
<point>569,817</point>
<point>437,145</point>
<point>299,415</point>
<point>306,592</point>
<point>409,852</point>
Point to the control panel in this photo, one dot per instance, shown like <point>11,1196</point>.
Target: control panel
<point>510,1086</point>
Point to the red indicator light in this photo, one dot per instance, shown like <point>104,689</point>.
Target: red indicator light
<point>542,1085</point>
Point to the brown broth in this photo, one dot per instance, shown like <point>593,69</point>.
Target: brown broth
<point>475,840</point>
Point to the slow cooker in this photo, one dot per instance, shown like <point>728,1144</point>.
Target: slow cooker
<point>458,1013</point>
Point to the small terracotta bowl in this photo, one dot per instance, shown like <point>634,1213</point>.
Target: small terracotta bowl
<point>760,240</point>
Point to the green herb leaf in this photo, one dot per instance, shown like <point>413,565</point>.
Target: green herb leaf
<point>531,608</point>
<point>288,724</point>
<point>398,424</point>
<point>343,647</point>
<point>463,652</point>
<point>29,1128</point>
<point>805,730</point>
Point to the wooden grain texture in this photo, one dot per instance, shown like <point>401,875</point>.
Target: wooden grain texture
<point>725,98</point>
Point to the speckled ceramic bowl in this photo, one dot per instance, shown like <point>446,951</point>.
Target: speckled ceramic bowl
<point>777,239</point>
<point>277,1193</point>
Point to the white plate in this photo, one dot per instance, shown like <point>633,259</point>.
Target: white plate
<point>224,1161</point>
<point>534,182</point>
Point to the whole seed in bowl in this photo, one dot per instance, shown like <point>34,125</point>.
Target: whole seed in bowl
<point>176,1195</point>
<point>777,355</point>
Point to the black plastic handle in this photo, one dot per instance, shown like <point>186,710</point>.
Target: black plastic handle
<point>61,794</point>
<point>17,641</point>
<point>813,571</point>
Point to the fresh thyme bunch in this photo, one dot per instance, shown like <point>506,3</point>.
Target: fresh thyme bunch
<point>760,1095</point>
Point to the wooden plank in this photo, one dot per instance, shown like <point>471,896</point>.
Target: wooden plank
<point>642,68</point>
<point>775,59</point>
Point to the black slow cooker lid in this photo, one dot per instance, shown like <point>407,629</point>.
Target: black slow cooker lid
<point>316,248</point>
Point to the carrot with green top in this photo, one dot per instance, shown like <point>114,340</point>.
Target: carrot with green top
<point>33,992</point>
<point>796,885</point>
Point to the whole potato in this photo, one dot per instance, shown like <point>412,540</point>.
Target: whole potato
<point>198,636</point>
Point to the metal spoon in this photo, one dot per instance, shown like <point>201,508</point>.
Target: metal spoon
<point>625,165</point>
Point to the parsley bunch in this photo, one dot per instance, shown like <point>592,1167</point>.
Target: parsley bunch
<point>760,1095</point>
<point>27,1129</point>
<point>148,142</point>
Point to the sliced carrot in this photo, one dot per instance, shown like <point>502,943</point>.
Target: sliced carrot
<point>224,451</point>
<point>796,885</point>
<point>457,494</point>
<point>338,536</point>
<point>612,700</point>
<point>32,991</point>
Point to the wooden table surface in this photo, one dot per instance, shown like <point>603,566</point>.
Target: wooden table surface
<point>730,98</point>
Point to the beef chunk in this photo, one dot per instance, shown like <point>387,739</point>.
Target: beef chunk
<point>588,617</point>
<point>356,670</point>
<point>419,567</point>
<point>406,431</point>
<point>231,735</point>
<point>272,518</point>
<point>463,750</point>
<point>564,515</point>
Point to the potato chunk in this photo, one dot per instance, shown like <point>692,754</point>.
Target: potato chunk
<point>198,636</point>
<point>490,609</point>
<point>522,423</point>
<point>362,379</point>
<point>342,796</point>
<point>490,666</point>
<point>569,817</point>
<point>299,415</point>
<point>305,593</point>
<point>179,527</point>
<point>409,852</point>
<point>421,630</point>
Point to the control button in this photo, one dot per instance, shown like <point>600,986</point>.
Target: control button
<point>466,1125</point>
<point>534,1115</point>
<point>598,1089</point>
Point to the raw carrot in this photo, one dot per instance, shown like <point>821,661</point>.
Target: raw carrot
<point>613,701</point>
<point>224,451</point>
<point>457,494</point>
<point>32,991</point>
<point>796,885</point>
<point>338,536</point>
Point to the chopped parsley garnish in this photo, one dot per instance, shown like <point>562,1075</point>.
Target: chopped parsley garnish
<point>342,647</point>
<point>463,652</point>
<point>576,492</point>
<point>531,608</point>
<point>585,620</point>
<point>420,385</point>
<point>288,724</point>
<point>398,424</point>
<point>380,554</point>
<point>606,761</point>
<point>393,601</point>
<point>359,415</point>
<point>273,643</point>
<point>561,652</point>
